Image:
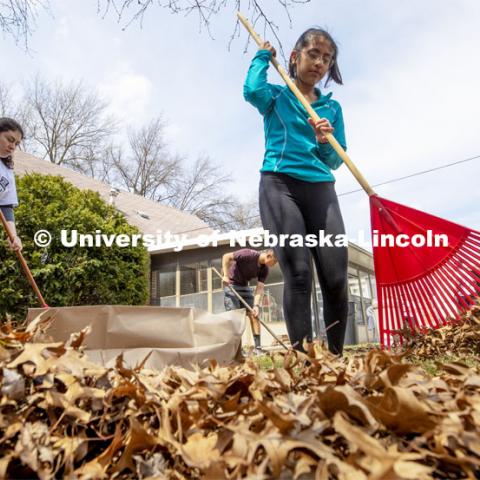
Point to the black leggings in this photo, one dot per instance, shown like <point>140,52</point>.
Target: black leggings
<point>292,206</point>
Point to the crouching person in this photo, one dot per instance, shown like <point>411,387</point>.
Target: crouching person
<point>239,268</point>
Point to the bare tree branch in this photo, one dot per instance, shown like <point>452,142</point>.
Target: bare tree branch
<point>5,102</point>
<point>243,216</point>
<point>13,105</point>
<point>202,191</point>
<point>147,168</point>
<point>18,18</point>
<point>131,11</point>
<point>68,124</point>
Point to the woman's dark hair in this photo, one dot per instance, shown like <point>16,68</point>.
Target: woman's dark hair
<point>304,40</point>
<point>10,125</point>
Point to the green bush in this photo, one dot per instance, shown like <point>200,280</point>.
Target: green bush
<point>69,276</point>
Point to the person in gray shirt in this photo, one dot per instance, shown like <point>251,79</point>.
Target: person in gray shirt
<point>11,134</point>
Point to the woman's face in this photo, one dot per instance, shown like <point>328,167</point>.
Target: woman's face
<point>9,141</point>
<point>313,61</point>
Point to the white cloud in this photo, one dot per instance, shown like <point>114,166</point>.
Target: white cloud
<point>129,95</point>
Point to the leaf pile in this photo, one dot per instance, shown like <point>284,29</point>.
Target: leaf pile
<point>316,416</point>
<point>460,338</point>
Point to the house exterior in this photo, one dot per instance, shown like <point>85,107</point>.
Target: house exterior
<point>186,277</point>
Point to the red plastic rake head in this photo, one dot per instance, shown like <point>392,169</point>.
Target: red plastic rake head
<point>427,269</point>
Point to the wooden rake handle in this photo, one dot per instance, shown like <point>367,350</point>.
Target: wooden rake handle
<point>23,262</point>
<point>250,309</point>
<point>313,114</point>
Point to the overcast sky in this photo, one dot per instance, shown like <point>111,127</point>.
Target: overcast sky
<point>410,98</point>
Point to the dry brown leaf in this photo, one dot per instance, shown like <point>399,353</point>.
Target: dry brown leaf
<point>399,410</point>
<point>344,398</point>
<point>412,470</point>
<point>137,439</point>
<point>97,467</point>
<point>38,354</point>
<point>200,451</point>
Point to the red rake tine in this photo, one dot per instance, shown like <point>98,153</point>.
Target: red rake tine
<point>422,279</point>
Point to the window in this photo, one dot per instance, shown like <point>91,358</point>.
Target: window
<point>162,284</point>
<point>193,278</point>
<point>216,280</point>
<point>353,285</point>
<point>166,280</point>
<point>373,283</point>
<point>272,304</point>
<point>366,292</point>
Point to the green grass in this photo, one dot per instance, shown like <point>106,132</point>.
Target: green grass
<point>360,347</point>
<point>431,365</point>
<point>265,362</point>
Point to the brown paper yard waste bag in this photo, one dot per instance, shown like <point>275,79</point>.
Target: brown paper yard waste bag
<point>174,336</point>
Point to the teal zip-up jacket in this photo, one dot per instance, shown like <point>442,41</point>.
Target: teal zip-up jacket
<point>291,146</point>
